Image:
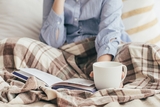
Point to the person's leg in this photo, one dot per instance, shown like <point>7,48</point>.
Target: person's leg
<point>24,52</point>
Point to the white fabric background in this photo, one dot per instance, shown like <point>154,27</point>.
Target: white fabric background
<point>157,9</point>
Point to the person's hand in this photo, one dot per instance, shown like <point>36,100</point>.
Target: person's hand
<point>121,85</point>
<point>91,74</point>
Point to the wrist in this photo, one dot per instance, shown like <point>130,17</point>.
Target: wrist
<point>58,6</point>
<point>59,0</point>
<point>106,57</point>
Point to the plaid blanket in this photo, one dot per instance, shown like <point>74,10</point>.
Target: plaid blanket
<point>75,60</point>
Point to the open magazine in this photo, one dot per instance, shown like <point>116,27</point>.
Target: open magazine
<point>55,82</point>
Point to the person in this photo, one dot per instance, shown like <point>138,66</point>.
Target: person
<point>67,21</point>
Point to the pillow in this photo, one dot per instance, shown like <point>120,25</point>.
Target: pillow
<point>157,9</point>
<point>140,21</point>
<point>20,18</point>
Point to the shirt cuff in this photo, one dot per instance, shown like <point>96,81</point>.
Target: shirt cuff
<point>110,48</point>
<point>55,19</point>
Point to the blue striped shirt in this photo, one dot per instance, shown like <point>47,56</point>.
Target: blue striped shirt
<point>84,19</point>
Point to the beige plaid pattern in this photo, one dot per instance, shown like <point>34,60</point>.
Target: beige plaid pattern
<point>75,60</point>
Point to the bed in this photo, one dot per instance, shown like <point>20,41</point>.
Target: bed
<point>20,24</point>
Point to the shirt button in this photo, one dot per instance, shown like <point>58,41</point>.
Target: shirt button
<point>58,23</point>
<point>107,48</point>
<point>75,19</point>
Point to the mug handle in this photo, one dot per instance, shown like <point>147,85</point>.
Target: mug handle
<point>125,72</point>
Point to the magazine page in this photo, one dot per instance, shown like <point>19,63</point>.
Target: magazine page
<point>77,81</point>
<point>53,81</point>
<point>75,87</point>
<point>46,77</point>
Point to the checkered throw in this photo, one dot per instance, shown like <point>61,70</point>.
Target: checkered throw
<point>75,60</point>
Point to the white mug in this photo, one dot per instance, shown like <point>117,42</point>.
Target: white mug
<point>108,74</point>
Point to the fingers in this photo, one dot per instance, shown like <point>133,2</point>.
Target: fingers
<point>122,75</point>
<point>121,86</point>
<point>91,74</point>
